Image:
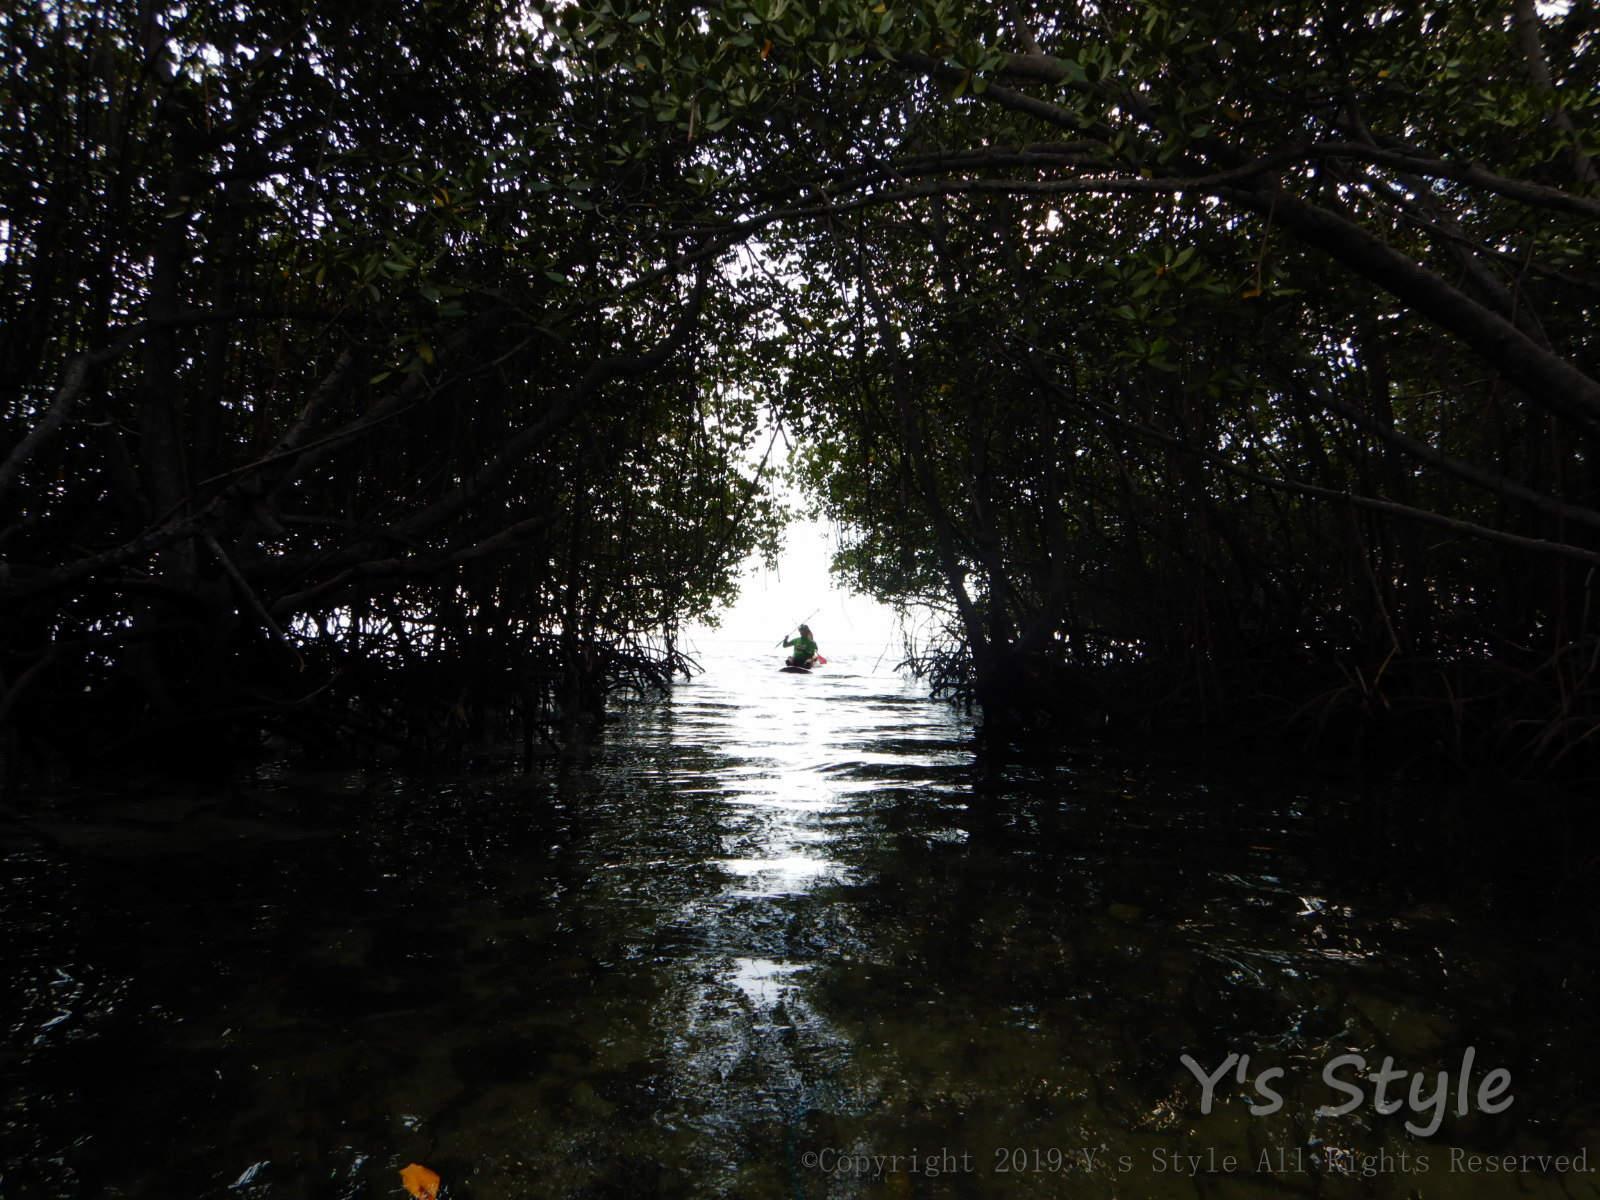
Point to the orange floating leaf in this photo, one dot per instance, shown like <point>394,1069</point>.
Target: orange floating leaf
<point>421,1182</point>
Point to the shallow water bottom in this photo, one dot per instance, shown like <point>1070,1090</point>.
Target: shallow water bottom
<point>789,942</point>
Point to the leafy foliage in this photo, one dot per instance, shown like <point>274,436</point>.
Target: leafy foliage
<point>1191,359</point>
<point>328,371</point>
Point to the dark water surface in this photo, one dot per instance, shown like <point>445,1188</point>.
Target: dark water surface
<point>789,936</point>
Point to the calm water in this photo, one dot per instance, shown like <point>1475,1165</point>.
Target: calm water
<point>790,936</point>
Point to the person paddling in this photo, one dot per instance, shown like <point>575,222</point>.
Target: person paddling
<point>805,648</point>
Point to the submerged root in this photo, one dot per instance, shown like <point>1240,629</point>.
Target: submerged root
<point>1517,716</point>
<point>383,695</point>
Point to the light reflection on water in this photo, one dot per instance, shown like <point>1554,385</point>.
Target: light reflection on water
<point>755,1046</point>
<point>770,927</point>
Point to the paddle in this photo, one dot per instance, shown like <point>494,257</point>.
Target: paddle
<point>797,625</point>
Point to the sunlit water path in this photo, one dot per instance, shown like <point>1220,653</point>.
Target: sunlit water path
<point>782,936</point>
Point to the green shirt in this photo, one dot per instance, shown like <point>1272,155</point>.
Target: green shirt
<point>804,647</point>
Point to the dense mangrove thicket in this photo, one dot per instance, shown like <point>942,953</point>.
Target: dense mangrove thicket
<point>334,407</point>
<point>1237,370</point>
<point>1203,365</point>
